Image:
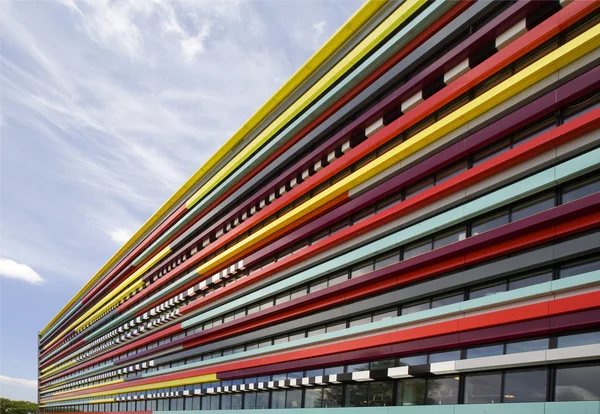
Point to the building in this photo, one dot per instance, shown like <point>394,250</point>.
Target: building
<point>412,219</point>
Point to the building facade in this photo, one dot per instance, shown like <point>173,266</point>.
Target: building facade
<point>411,224</point>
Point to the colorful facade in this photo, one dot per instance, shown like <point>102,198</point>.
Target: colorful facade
<point>411,224</point>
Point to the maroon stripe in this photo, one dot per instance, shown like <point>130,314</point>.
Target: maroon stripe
<point>519,330</point>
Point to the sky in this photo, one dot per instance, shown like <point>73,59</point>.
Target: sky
<point>106,108</point>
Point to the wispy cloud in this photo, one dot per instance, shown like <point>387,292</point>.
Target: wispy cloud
<point>13,270</point>
<point>20,382</point>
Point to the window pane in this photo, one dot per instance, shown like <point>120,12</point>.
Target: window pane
<point>489,223</point>
<point>318,285</point>
<point>411,392</point>
<point>314,372</point>
<point>417,188</point>
<point>336,327</point>
<point>579,268</point>
<point>315,332</point>
<point>482,388</point>
<point>387,260</point>
<point>442,391</point>
<point>282,298</point>
<point>413,360</point>
<point>579,190</point>
<point>449,237</point>
<point>334,280</point>
<point>525,386</point>
<point>532,207</point>
<point>332,396</point>
<point>360,321</point>
<point>527,346</point>
<point>298,293</point>
<point>382,364</point>
<point>293,399</point>
<point>587,338</point>
<point>362,269</point>
<point>407,310</point>
<point>357,395</point>
<point>491,152</point>
<point>443,175</point>
<point>578,383</point>
<point>385,315</point>
<point>447,300</point>
<point>416,249</point>
<point>380,393</point>
<point>334,370</point>
<point>487,291</point>
<point>444,356</point>
<point>529,280</point>
<point>262,400</point>
<point>313,397</point>
<point>278,399</point>
<point>363,366</point>
<point>485,351</point>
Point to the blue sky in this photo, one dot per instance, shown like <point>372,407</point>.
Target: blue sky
<point>107,107</point>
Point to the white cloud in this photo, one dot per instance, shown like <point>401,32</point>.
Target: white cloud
<point>18,382</point>
<point>120,235</point>
<point>13,270</point>
<point>319,28</point>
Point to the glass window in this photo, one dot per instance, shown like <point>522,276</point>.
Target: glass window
<point>332,396</point>
<point>282,298</point>
<point>485,351</point>
<point>278,399</point>
<point>236,401</point>
<point>413,360</point>
<point>442,390</point>
<point>336,327</point>
<point>587,338</point>
<point>582,106</point>
<point>316,331</point>
<point>363,366</point>
<point>579,190</point>
<point>450,172</point>
<point>214,402</point>
<point>252,309</point>
<point>416,249</point>
<point>579,268</point>
<point>362,269</point>
<point>411,392</point>
<point>318,285</point>
<point>532,207</point>
<point>382,364</point>
<point>447,300</point>
<point>444,356</point>
<point>293,398</point>
<point>482,388</point>
<point>357,395</point>
<point>298,293</point>
<point>262,400</point>
<point>417,188</point>
<point>527,346</point>
<point>578,383</point>
<point>226,401</point>
<point>449,237</point>
<point>522,282</point>
<point>296,336</point>
<point>281,340</point>
<point>314,372</point>
<point>387,260</point>
<point>334,370</point>
<point>489,223</point>
<point>407,310</point>
<point>313,397</point>
<point>380,393</point>
<point>487,291</point>
<point>491,152</point>
<point>382,316</point>
<point>334,280</point>
<point>525,386</point>
<point>360,321</point>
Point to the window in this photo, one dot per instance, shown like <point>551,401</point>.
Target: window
<point>360,321</point>
<point>385,315</point>
<point>236,401</point>
<point>525,281</point>
<point>318,285</point>
<point>442,390</point>
<point>357,395</point>
<point>313,397</point>
<point>278,399</point>
<point>411,392</point>
<point>293,398</point>
<point>487,291</point>
<point>527,346</point>
<point>362,269</point>
<point>489,223</point>
<point>407,310</point>
<point>525,386</point>
<point>416,249</point>
<point>447,300</point>
<point>482,388</point>
<point>380,393</point>
<point>579,190</point>
<point>450,172</point>
<point>262,400</point>
<point>588,338</point>
<point>485,351</point>
<point>578,383</point>
<point>387,260</point>
<point>491,152</point>
<point>451,236</point>
<point>382,364</point>
<point>532,207</point>
<point>417,188</point>
<point>444,356</point>
<point>579,268</point>
<point>336,327</point>
<point>332,396</point>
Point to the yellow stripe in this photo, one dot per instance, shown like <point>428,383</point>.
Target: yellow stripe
<point>100,401</point>
<point>50,370</point>
<point>97,307</point>
<point>364,47</point>
<point>528,76</point>
<point>314,62</point>
<point>172,383</point>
